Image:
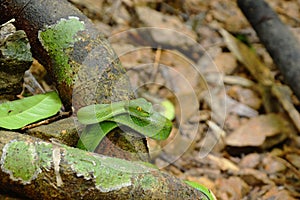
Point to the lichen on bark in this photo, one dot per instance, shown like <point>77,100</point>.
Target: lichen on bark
<point>62,172</point>
<point>110,175</point>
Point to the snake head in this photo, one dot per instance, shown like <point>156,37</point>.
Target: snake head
<point>140,107</point>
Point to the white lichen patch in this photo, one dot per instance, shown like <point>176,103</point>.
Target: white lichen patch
<point>114,187</point>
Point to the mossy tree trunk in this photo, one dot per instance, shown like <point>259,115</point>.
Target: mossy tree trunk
<point>80,61</point>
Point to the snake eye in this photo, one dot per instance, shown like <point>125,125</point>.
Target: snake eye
<point>140,111</point>
<point>138,108</point>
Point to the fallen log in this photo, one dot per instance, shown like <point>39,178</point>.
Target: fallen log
<point>36,169</point>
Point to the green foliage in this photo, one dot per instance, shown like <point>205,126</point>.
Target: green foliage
<point>169,109</point>
<point>16,114</point>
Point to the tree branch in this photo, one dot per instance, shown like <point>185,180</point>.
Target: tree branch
<point>281,44</point>
<point>57,171</point>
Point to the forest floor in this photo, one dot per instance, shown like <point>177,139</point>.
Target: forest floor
<point>226,136</point>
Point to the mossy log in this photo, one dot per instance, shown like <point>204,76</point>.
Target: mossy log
<point>56,171</point>
<point>80,61</point>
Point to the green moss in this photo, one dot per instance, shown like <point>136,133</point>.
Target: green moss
<point>107,173</point>
<point>15,156</point>
<point>110,173</point>
<point>109,179</point>
<point>44,152</point>
<point>148,182</point>
<point>126,166</point>
<point>58,40</point>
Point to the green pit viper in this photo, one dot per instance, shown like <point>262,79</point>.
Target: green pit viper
<point>136,114</point>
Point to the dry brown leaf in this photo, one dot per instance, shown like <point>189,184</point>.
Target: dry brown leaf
<point>283,93</point>
<point>251,160</point>
<point>254,177</point>
<point>276,193</point>
<point>262,74</point>
<point>231,188</point>
<point>263,131</point>
<point>272,165</point>
<point>245,96</point>
<point>153,18</point>
<point>224,163</point>
<point>294,159</point>
<point>226,62</point>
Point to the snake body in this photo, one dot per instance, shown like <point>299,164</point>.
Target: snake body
<point>136,114</point>
<point>208,194</point>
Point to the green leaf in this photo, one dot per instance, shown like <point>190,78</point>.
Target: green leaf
<point>169,109</point>
<point>16,114</point>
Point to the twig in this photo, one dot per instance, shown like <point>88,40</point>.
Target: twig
<point>47,121</point>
